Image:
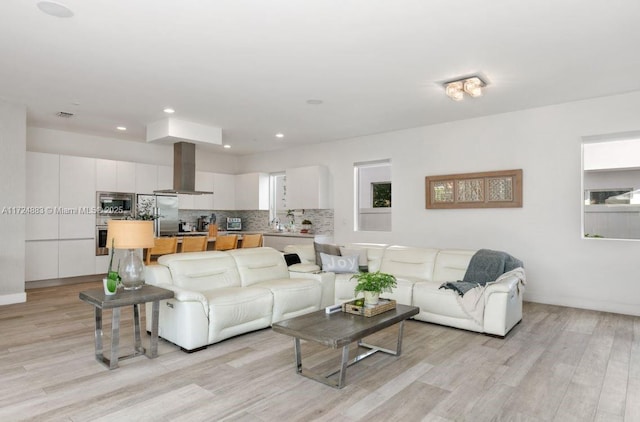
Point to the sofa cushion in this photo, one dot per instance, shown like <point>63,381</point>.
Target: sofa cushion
<point>428,296</point>
<point>408,262</point>
<point>339,264</point>
<point>213,272</point>
<point>327,248</point>
<point>451,265</point>
<point>236,310</point>
<point>306,253</point>
<point>361,253</point>
<point>293,296</point>
<point>259,264</point>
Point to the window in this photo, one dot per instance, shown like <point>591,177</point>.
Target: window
<point>611,186</point>
<point>373,196</point>
<point>277,196</point>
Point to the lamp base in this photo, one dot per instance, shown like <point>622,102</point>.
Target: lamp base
<point>132,271</point>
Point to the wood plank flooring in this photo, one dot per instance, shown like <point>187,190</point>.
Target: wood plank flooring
<point>559,364</point>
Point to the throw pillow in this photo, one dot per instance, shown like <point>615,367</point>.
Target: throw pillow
<point>339,264</point>
<point>292,258</point>
<point>361,253</point>
<point>325,248</point>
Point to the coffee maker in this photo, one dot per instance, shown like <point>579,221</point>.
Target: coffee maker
<point>202,223</point>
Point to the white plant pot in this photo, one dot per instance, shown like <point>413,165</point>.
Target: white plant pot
<point>371,298</point>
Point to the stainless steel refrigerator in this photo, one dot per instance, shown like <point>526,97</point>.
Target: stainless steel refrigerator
<point>166,207</point>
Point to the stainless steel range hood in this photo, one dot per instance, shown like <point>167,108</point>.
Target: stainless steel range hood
<point>184,170</point>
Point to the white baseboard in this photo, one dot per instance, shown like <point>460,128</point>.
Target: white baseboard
<point>13,298</point>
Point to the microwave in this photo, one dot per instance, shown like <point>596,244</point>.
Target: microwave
<point>234,223</point>
<point>116,204</point>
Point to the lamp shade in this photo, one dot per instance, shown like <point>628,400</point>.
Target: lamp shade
<point>130,234</point>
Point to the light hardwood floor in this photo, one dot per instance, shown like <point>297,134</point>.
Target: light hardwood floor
<point>559,364</point>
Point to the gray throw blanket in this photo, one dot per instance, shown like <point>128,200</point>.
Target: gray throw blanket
<point>485,266</point>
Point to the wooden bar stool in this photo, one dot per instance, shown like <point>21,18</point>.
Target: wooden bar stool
<point>162,246</point>
<point>251,241</point>
<point>224,243</point>
<point>194,244</point>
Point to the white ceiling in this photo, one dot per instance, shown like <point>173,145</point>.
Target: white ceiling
<point>249,67</point>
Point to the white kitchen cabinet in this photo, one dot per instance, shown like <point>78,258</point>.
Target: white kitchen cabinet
<point>115,176</point>
<point>224,191</point>
<point>165,177</point>
<point>42,195</point>
<point>146,178</point>
<point>77,195</point>
<point>76,257</point>
<point>186,202</point>
<point>41,258</point>
<point>106,179</point>
<point>308,188</point>
<point>252,191</point>
<point>125,176</point>
<point>204,183</point>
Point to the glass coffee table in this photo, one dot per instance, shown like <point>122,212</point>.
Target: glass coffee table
<point>340,329</point>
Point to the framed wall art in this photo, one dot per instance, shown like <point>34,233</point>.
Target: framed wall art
<point>490,189</point>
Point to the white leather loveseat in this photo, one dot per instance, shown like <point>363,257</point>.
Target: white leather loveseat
<point>223,294</point>
<point>420,272</point>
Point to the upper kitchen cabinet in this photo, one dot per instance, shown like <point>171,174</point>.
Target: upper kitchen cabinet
<point>77,197</point>
<point>252,191</point>
<point>308,188</point>
<point>43,195</point>
<point>224,191</point>
<point>146,178</point>
<point>204,183</point>
<point>115,176</point>
<point>165,177</point>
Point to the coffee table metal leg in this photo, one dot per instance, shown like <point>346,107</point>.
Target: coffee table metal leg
<point>343,367</point>
<point>298,353</point>
<point>374,348</point>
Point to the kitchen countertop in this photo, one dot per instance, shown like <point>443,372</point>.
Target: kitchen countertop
<point>289,234</point>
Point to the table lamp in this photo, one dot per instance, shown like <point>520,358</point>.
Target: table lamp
<point>130,234</point>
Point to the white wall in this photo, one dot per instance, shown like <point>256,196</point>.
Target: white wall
<point>562,267</point>
<point>13,124</point>
<point>68,143</point>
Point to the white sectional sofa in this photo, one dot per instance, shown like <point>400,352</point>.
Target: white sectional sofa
<point>223,294</point>
<point>494,309</point>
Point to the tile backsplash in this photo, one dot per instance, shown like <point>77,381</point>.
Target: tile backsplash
<point>259,220</point>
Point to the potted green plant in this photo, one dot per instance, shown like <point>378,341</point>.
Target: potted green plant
<point>113,278</point>
<point>372,284</point>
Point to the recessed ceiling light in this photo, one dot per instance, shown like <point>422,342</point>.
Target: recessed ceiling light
<point>227,146</point>
<point>54,9</point>
<point>314,102</point>
<point>169,110</point>
<point>279,135</point>
<point>121,128</point>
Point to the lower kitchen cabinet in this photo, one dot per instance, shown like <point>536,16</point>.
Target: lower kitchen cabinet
<point>279,241</point>
<point>76,257</point>
<point>41,259</point>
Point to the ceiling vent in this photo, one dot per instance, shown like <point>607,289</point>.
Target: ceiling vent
<point>64,114</point>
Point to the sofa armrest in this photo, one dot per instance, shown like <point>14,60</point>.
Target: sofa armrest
<point>504,285</point>
<point>304,268</point>
<point>327,282</point>
<point>157,274</point>
<point>503,302</point>
<point>184,295</point>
